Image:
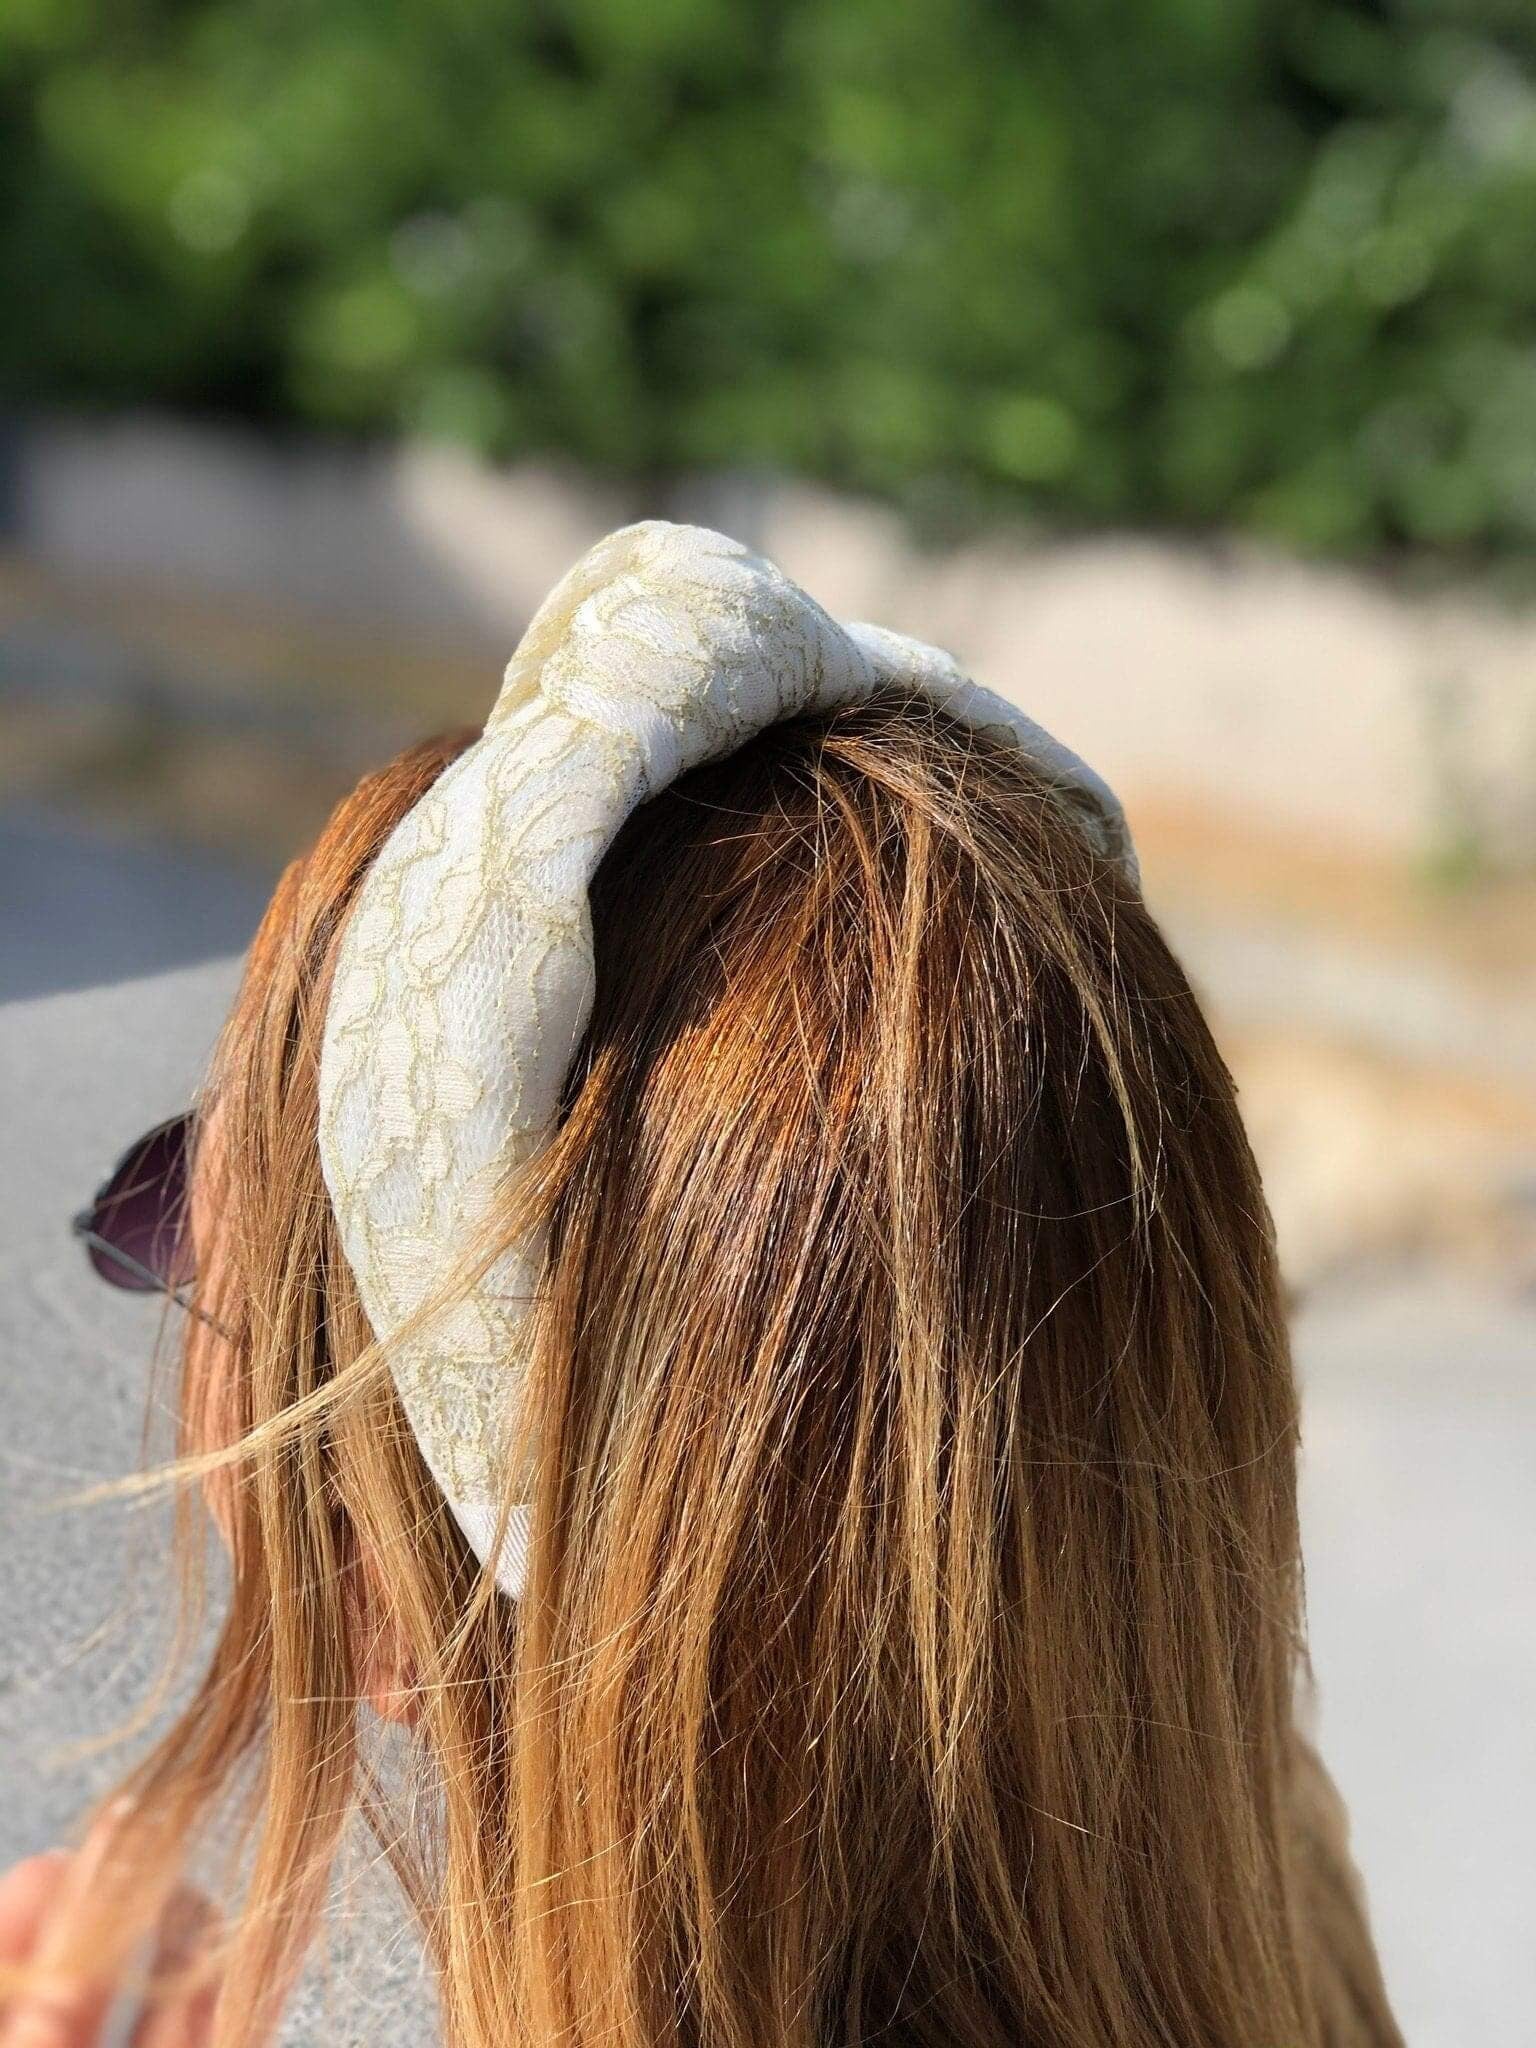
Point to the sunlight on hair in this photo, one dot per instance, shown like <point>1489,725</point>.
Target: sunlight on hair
<point>912,1634</point>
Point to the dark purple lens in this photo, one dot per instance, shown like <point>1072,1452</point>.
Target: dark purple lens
<point>136,1229</point>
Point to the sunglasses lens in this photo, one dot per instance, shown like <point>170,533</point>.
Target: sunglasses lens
<point>141,1213</point>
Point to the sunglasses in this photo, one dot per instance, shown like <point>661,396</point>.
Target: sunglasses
<point>136,1231</point>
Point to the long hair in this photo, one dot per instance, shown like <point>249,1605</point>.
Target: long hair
<point>913,1632</point>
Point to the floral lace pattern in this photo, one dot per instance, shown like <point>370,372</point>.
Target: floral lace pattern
<point>465,975</point>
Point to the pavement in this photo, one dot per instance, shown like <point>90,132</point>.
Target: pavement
<point>82,906</point>
<point>1419,1534</point>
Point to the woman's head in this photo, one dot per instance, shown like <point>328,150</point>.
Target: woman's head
<point>912,1616</point>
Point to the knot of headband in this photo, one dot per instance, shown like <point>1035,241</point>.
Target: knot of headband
<point>464,978</point>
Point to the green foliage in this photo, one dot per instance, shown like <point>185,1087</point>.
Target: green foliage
<point>1265,262</point>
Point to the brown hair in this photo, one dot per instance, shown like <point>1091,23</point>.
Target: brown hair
<point>913,1629</point>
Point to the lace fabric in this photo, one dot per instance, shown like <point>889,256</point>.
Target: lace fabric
<point>465,975</point>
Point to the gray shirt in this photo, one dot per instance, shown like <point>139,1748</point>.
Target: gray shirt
<point>85,1607</point>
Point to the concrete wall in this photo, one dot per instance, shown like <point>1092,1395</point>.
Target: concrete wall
<point>1303,697</point>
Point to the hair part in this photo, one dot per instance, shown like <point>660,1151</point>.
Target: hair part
<point>913,1626</point>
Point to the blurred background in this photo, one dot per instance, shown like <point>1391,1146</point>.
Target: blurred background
<point>1173,362</point>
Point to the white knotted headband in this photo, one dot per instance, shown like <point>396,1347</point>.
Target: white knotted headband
<point>465,978</point>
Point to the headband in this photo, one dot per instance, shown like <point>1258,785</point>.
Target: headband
<point>464,977</point>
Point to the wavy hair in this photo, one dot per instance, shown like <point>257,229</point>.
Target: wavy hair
<point>913,1638</point>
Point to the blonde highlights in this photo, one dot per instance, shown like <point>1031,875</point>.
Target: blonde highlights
<point>913,1625</point>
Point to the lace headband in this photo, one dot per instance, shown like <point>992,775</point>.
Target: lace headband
<point>464,978</point>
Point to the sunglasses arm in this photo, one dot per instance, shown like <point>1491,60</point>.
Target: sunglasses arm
<point>80,1224</point>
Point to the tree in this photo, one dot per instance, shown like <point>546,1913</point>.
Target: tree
<point>1191,262</point>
